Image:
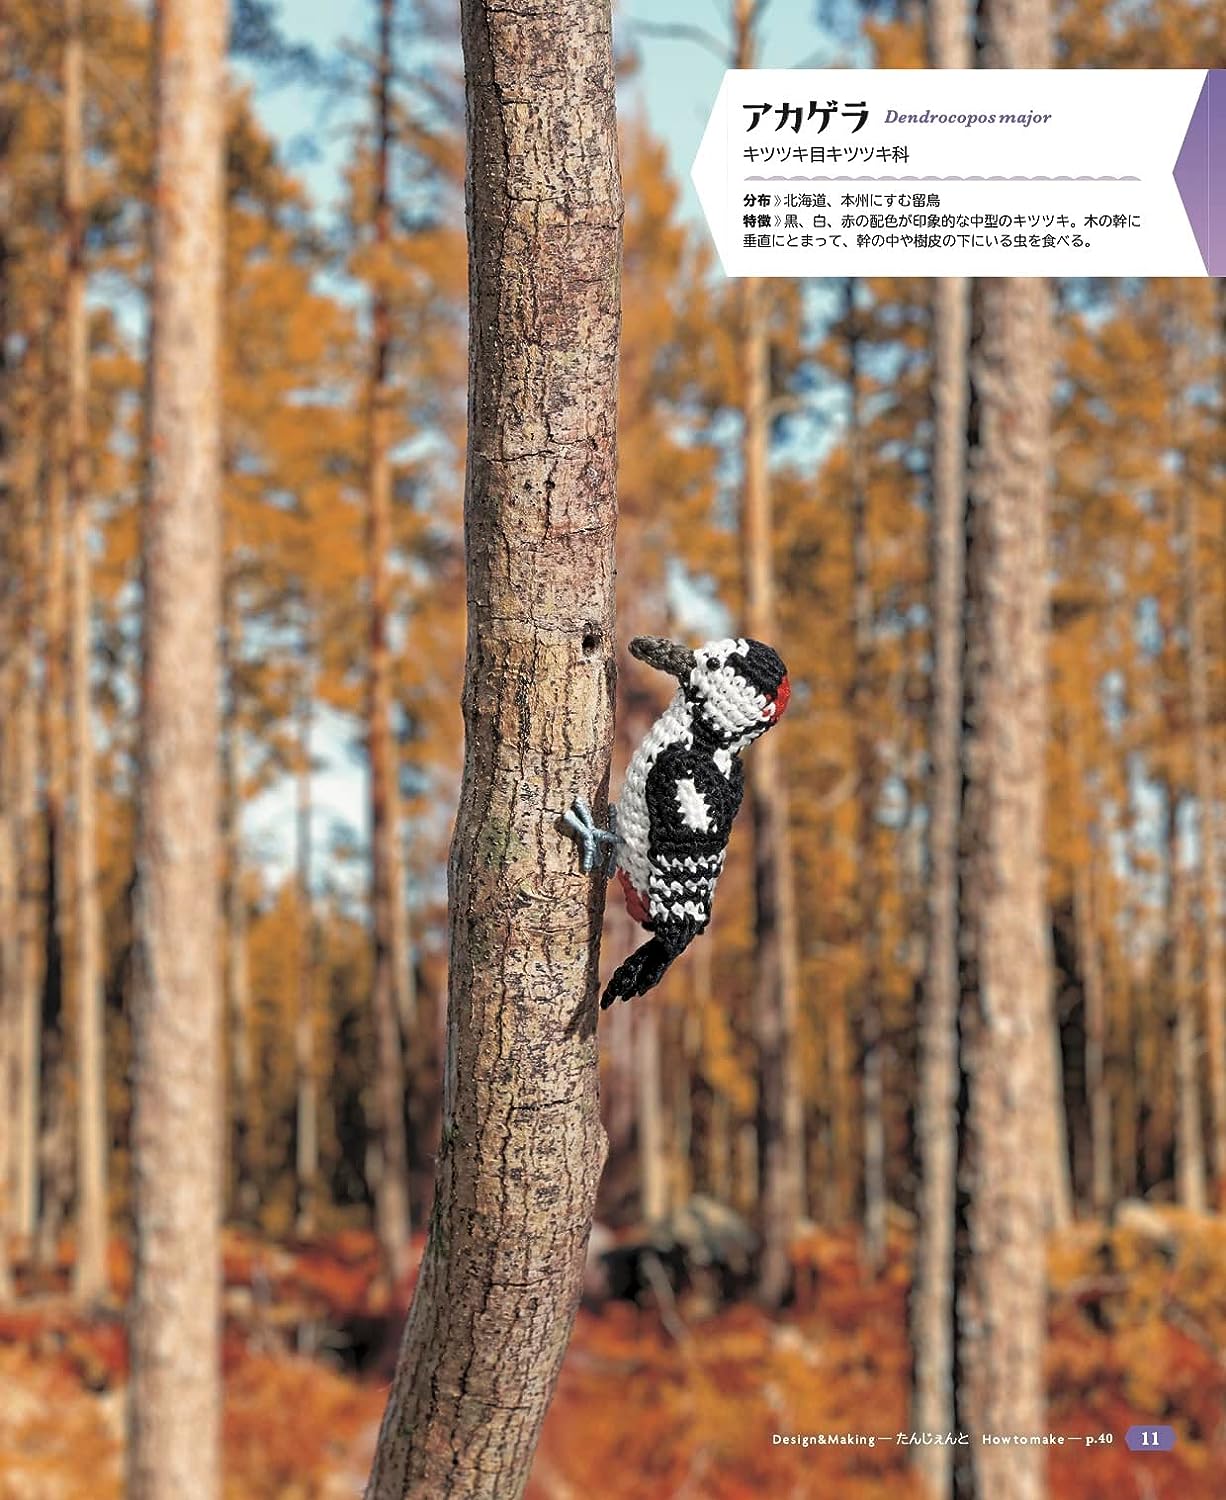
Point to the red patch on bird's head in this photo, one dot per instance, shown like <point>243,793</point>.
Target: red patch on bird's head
<point>779,702</point>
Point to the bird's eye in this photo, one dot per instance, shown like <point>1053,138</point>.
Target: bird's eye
<point>711,663</point>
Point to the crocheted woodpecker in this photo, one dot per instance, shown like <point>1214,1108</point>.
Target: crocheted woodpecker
<point>669,833</point>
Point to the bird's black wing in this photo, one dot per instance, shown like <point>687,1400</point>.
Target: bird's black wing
<point>691,806</point>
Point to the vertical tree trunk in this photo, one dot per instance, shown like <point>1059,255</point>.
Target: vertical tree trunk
<point>10,957</point>
<point>173,1449</point>
<point>25,807</point>
<point>522,1145</point>
<point>653,1182</point>
<point>1189,1136</point>
<point>306,1133</point>
<point>866,802</point>
<point>1005,1008</point>
<point>1094,991</point>
<point>89,1270</point>
<point>392,1221</point>
<point>1188,524</point>
<point>243,1195</point>
<point>51,1194</point>
<point>1004,974</point>
<point>932,1310</point>
<point>780,1122</point>
<point>11,688</point>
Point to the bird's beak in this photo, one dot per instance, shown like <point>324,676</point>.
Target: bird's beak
<point>666,656</point>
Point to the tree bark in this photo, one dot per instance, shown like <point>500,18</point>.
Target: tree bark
<point>999,1257</point>
<point>932,1403</point>
<point>1005,1006</point>
<point>89,1268</point>
<point>388,995</point>
<point>522,1144</point>
<point>175,1406</point>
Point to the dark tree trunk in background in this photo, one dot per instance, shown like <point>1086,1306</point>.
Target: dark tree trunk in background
<point>306,1107</point>
<point>175,1393</point>
<point>522,1144</point>
<point>89,1268</point>
<point>391,966</point>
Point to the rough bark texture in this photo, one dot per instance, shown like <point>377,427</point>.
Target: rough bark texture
<point>522,1145</point>
<point>173,1450</point>
<point>1005,1005</point>
<point>89,1267</point>
<point>780,1121</point>
<point>936,1124</point>
<point>1003,1013</point>
<point>388,927</point>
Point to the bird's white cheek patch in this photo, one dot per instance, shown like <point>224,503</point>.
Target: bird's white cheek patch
<point>693,808</point>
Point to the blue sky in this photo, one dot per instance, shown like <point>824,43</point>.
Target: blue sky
<point>677,82</point>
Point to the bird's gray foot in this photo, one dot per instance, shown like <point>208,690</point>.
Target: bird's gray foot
<point>579,819</point>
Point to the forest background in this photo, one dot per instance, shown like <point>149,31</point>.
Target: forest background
<point>719,1307</point>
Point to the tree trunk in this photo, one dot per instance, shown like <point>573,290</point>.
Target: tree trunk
<point>653,1180</point>
<point>53,1163</point>
<point>522,1145</point>
<point>175,1405</point>
<point>866,804</point>
<point>1188,523</point>
<point>932,1402</point>
<point>89,1269</point>
<point>1095,999</point>
<point>306,1133</point>
<point>780,1121</point>
<point>1002,918</point>
<point>1005,1006</point>
<point>1189,1137</point>
<point>388,999</point>
<point>25,807</point>
<point>243,1195</point>
<point>11,688</point>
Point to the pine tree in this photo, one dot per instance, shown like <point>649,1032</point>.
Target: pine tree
<point>175,1406</point>
<point>522,1145</point>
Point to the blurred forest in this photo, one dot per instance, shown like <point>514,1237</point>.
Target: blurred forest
<point>779,448</point>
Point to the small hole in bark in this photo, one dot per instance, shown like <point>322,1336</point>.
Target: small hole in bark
<point>590,641</point>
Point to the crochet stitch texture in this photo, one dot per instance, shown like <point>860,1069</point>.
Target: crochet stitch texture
<point>682,791</point>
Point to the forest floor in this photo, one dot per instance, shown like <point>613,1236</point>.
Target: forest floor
<point>683,1407</point>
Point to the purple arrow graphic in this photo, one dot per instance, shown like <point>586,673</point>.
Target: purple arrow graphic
<point>1200,172</point>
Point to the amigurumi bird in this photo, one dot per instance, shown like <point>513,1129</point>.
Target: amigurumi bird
<point>669,832</point>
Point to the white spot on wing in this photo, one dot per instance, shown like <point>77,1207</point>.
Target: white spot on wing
<point>692,806</point>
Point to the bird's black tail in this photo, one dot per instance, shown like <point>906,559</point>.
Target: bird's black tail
<point>647,965</point>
